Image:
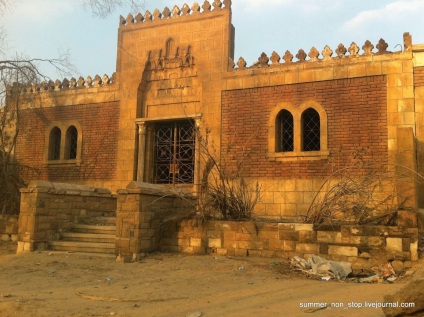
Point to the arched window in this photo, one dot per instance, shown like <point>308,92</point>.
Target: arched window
<point>71,143</point>
<point>297,132</point>
<point>54,143</point>
<point>285,132</point>
<point>311,133</point>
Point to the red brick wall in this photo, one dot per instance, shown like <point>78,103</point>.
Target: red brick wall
<point>356,112</point>
<point>419,76</point>
<point>99,124</point>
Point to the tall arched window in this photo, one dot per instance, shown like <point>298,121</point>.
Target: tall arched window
<point>311,135</point>
<point>54,143</point>
<point>285,132</point>
<point>71,143</point>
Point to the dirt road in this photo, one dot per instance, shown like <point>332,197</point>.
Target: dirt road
<point>68,284</point>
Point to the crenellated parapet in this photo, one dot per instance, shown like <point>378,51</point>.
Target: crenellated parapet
<point>175,13</point>
<point>353,51</point>
<point>65,84</point>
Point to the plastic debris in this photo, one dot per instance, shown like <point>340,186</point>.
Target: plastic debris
<point>242,268</point>
<point>321,267</point>
<point>371,279</point>
<point>326,278</point>
<point>195,314</point>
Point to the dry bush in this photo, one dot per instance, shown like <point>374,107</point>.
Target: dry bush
<point>225,193</point>
<point>359,192</point>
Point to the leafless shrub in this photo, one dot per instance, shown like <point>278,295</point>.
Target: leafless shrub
<point>15,75</point>
<point>360,192</point>
<point>224,190</point>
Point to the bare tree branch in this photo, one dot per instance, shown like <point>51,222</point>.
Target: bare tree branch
<point>103,8</point>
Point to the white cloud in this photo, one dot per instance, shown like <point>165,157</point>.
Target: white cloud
<point>392,12</point>
<point>305,7</point>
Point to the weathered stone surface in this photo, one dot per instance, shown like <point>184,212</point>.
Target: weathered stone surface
<point>329,236</point>
<point>342,250</point>
<point>288,235</point>
<point>394,244</point>
<point>307,248</point>
<point>214,243</point>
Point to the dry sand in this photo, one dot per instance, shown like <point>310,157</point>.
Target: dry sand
<point>70,284</point>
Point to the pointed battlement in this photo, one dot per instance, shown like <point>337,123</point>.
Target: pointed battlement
<point>65,84</point>
<point>175,13</point>
<point>353,51</point>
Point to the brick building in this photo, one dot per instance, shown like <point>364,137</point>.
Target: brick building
<point>289,119</point>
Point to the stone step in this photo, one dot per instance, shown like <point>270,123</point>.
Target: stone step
<point>83,228</point>
<point>98,221</point>
<point>86,247</point>
<point>88,237</point>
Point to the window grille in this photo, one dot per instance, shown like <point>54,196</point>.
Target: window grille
<point>72,139</point>
<point>311,130</point>
<point>285,132</point>
<point>174,152</point>
<point>54,148</point>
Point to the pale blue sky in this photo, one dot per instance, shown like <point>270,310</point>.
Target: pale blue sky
<point>43,28</point>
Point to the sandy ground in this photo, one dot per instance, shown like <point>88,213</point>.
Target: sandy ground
<point>70,284</point>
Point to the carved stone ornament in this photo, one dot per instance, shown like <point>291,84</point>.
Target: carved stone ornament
<point>367,47</point>
<point>166,13</point>
<point>57,85</point>
<point>341,50</point>
<point>353,49</point>
<point>275,58</point>
<point>327,53</point>
<point>148,16</point>
<point>195,8</point>
<point>227,4</point>
<point>105,79</point>
<point>241,63</point>
<point>65,83</point>
<point>88,81</point>
<point>217,4</point>
<point>407,41</point>
<point>263,60</point>
<point>122,20</point>
<point>81,82</point>
<point>382,46</point>
<point>157,15</point>
<point>185,10</point>
<point>139,18</point>
<point>301,55</point>
<point>313,54</point>
<point>97,81</point>
<point>176,12</point>
<point>288,57</point>
<point>130,19</point>
<point>73,83</point>
<point>206,6</point>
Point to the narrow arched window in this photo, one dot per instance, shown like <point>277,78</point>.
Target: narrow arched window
<point>311,134</point>
<point>71,143</point>
<point>54,143</point>
<point>285,132</point>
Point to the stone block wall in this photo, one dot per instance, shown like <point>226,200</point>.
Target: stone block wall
<point>141,210</point>
<point>49,208</point>
<point>8,228</point>
<point>363,246</point>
